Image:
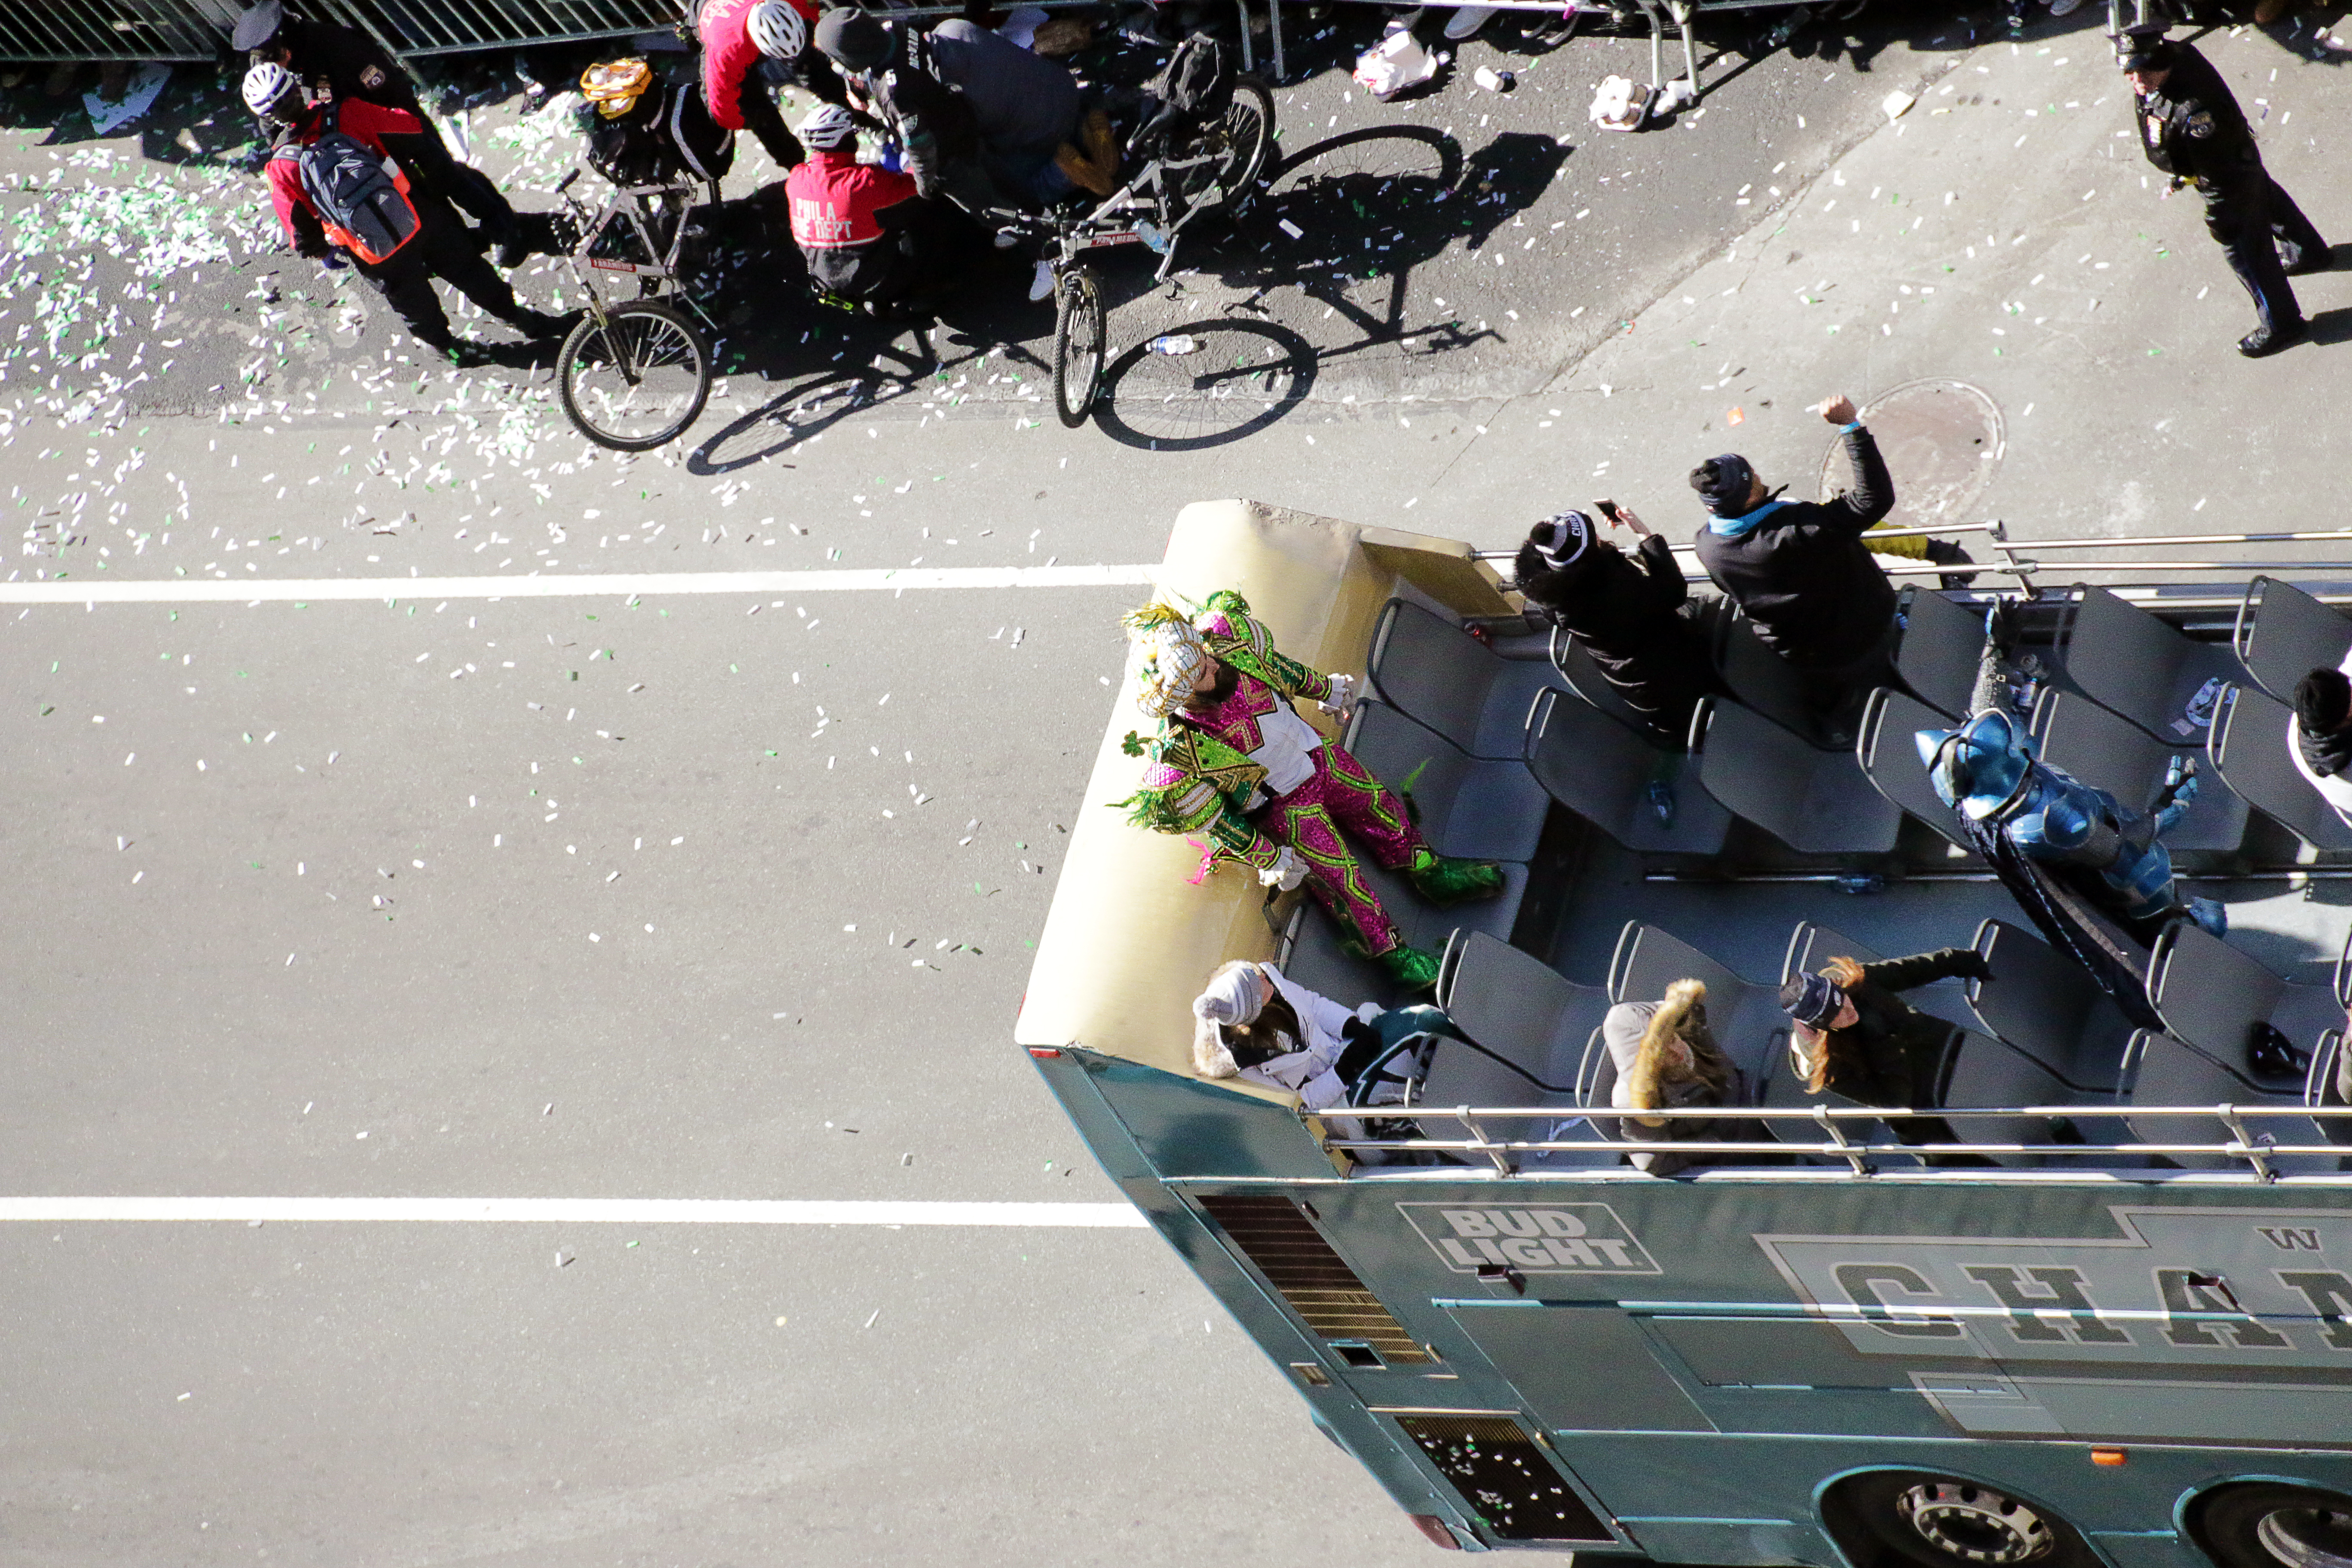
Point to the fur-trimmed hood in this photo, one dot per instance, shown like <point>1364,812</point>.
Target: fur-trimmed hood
<point>1682,1016</point>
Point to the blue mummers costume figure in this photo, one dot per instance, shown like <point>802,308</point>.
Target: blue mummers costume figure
<point>2055,840</point>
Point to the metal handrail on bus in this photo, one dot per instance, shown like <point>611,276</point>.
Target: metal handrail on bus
<point>2021,558</point>
<point>2258,1149</point>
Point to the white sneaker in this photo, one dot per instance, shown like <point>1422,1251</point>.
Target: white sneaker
<point>1468,19</point>
<point>2064,7</point>
<point>1042,284</point>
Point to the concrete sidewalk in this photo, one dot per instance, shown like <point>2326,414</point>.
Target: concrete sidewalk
<point>2005,233</point>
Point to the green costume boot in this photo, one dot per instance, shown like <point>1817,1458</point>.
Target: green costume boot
<point>1410,967</point>
<point>1444,879</point>
<point>1404,963</point>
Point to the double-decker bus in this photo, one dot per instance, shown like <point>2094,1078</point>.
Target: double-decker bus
<point>2099,1312</point>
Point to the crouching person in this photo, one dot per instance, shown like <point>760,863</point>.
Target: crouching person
<point>1253,1022</point>
<point>868,236</point>
<point>1666,1059</point>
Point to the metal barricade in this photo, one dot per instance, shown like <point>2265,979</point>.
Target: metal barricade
<point>78,30</point>
<point>412,28</point>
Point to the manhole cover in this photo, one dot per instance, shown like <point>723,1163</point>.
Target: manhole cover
<point>1941,439</point>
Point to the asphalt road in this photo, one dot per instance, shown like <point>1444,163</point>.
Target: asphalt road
<point>454,892</point>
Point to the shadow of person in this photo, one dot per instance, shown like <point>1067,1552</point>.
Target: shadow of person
<point>2331,327</point>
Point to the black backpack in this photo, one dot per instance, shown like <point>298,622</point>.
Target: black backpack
<point>360,195</point>
<point>1197,84</point>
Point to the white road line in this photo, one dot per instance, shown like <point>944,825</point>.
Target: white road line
<point>575,1211</point>
<point>198,590</point>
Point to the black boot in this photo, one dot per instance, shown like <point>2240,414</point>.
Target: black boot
<point>1948,552</point>
<point>2264,342</point>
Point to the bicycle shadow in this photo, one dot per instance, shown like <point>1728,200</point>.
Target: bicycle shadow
<point>1369,206</point>
<point>1229,380</point>
<point>805,409</point>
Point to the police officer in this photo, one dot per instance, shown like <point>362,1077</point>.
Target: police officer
<point>2192,129</point>
<point>336,64</point>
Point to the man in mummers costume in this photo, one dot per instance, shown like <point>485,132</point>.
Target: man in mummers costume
<point>2062,848</point>
<point>1233,761</point>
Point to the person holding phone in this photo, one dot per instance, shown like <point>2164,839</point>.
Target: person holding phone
<point>1631,614</point>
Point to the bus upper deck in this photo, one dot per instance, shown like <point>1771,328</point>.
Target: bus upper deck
<point>2110,1231</point>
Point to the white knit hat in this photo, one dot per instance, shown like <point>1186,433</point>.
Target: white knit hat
<point>1235,994</point>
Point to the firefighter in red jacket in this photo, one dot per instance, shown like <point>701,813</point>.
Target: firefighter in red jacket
<point>865,232</point>
<point>741,36</point>
<point>438,247</point>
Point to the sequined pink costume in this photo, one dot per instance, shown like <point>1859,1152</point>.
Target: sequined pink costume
<point>1341,802</point>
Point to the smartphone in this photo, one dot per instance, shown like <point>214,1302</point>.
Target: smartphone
<point>1607,509</point>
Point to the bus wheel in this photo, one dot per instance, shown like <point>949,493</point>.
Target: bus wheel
<point>2269,1526</point>
<point>1925,1520</point>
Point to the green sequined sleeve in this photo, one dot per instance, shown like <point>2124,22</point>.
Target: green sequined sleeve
<point>1246,643</point>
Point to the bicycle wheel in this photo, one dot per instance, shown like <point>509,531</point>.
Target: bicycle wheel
<point>1078,344</point>
<point>637,380</point>
<point>1248,133</point>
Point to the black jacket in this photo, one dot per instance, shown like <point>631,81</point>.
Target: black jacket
<point>2193,128</point>
<point>1624,612</point>
<point>1816,596</point>
<point>931,122</point>
<point>330,59</point>
<point>1893,1054</point>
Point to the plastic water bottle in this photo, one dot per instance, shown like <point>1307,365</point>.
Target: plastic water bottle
<point>1154,237</point>
<point>1173,343</point>
<point>2200,712</point>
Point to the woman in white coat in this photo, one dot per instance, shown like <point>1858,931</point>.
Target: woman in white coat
<point>1255,1022</point>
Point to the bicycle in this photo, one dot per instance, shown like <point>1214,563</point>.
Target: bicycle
<point>633,375</point>
<point>1217,166</point>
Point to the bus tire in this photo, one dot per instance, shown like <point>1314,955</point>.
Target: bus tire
<point>2269,1525</point>
<point>1915,1519</point>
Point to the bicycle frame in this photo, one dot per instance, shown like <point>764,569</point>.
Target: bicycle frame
<point>629,209</point>
<point>1113,222</point>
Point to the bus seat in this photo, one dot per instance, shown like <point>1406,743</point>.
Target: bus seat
<point>1760,679</point>
<point>2212,995</point>
<point>2136,665</point>
<point>2282,634</point>
<point>1575,667</point>
<point>2164,1072</point>
<point>1938,649</point>
<point>1599,769</point>
<point>1438,674</point>
<point>1890,759</point>
<point>1815,802</point>
<point>2098,747</point>
<point>1484,810</point>
<point>1520,1007</point>
<point>2248,747</point>
<point>2049,1007</point>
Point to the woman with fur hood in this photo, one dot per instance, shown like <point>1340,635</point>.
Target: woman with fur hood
<point>1634,615</point>
<point>1666,1059</point>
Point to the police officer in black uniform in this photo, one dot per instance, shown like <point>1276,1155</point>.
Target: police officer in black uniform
<point>333,63</point>
<point>2192,128</point>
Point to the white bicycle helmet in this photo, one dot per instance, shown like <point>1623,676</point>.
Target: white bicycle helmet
<point>267,86</point>
<point>779,31</point>
<point>828,125</point>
